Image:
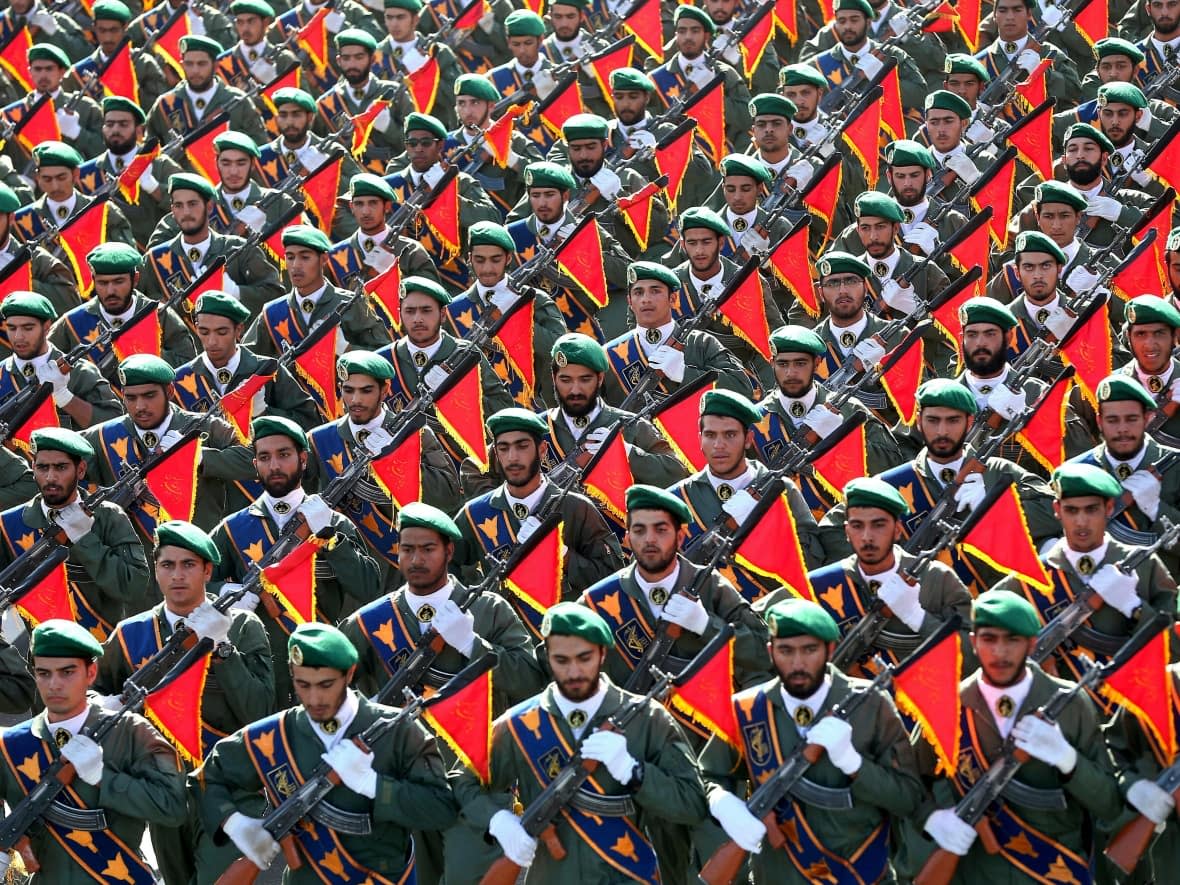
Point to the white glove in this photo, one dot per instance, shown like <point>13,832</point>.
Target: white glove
<point>380,260</point>
<point>502,299</point>
<point>1028,60</point>
<point>148,182</point>
<point>252,839</point>
<point>334,21</point>
<point>902,600</point>
<point>1174,391</point>
<point>1059,322</point>
<point>263,70</point>
<point>950,831</point>
<point>412,59</point>
<point>823,420</point>
<point>433,175</point>
<point>51,373</point>
<point>1051,16</point>
<point>514,160</point>
<point>383,122</point>
<point>1080,279</point>
<point>544,83</point>
<point>869,352</point>
<point>169,439</point>
<point>802,172</point>
<point>1043,740</point>
<point>688,613</point>
<point>1118,590</point>
<point>735,818</point>
<point>378,439</point>
<point>1104,207</point>
<point>69,124</point>
<point>518,846</point>
<point>40,17</point>
<point>1145,488</point>
<point>1006,402</point>
<point>86,757</point>
<point>456,627</point>
<point>607,182</point>
<point>249,600</point>
<point>5,861</point>
<point>595,438</point>
<point>563,232</point>
<point>110,702</point>
<point>1141,177</point>
<point>971,493</point>
<point>253,217</point>
<point>75,522</point>
<point>899,298</point>
<point>754,241</point>
<point>740,505</point>
<point>900,23</point>
<point>528,526</point>
<point>487,22</point>
<point>640,139</point>
<point>961,165</point>
<point>979,132</point>
<point>610,748</point>
<point>668,360</point>
<point>1151,800</point>
<point>835,736</point>
<point>208,623</point>
<point>316,513</point>
<point>355,768</point>
<point>923,236</point>
<point>229,287</point>
<point>869,65</point>
<point>435,376</point>
<point>1144,123</point>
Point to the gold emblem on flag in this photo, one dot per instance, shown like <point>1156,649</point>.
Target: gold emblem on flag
<point>847,339</point>
<point>331,726</point>
<point>297,655</point>
<point>1155,383</point>
<point>224,376</point>
<point>740,224</point>
<point>426,614</point>
<point>151,440</point>
<point>797,409</point>
<point>61,737</point>
<point>803,715</point>
<point>520,511</point>
<point>581,421</point>
<point>1005,706</point>
<point>577,718</point>
<point>1086,565</point>
<point>420,359</point>
<point>653,336</point>
<point>659,595</point>
<point>725,491</point>
<point>1123,471</point>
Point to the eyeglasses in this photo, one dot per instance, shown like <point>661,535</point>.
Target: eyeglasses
<point>420,142</point>
<point>841,283</point>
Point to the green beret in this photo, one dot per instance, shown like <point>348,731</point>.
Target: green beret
<point>59,439</point>
<point>308,236</point>
<point>145,368</point>
<point>862,6</point>
<point>1173,242</point>
<point>198,43</point>
<point>1053,191</point>
<point>176,533</point>
<point>424,123</point>
<point>697,15</point>
<point>231,140</point>
<point>524,23</point>
<point>187,181</point>
<point>1076,480</point>
<point>293,95</point>
<point>945,100</point>
<point>961,63</point>
<point>363,362</point>
<point>1085,130</point>
<point>425,286</point>
<point>841,262</point>
<point>273,425</point>
<point>56,153</point>
<point>907,152</point>
<point>801,75</point>
<point>222,304</point>
<point>727,404</point>
<point>48,52</point>
<point>643,497</point>
<point>1006,610</point>
<point>58,638</point>
<point>868,491</point>
<point>1121,93</point>
<point>1123,388</point>
<point>27,304</point>
<point>423,516</point>
<point>516,418</point>
<point>313,644</point>
<point>110,11</point>
<point>796,339</point>
<point>367,184</point>
<point>252,7</point>
<point>801,617</point>
<point>356,37</point>
<point>488,233</point>
<point>771,104</point>
<point>475,86</point>
<point>702,216</point>
<point>874,204</point>
<point>126,105</point>
<point>947,393</point>
<point>579,4</point>
<point>114,257</point>
<point>574,348</point>
<point>1118,46</point>
<point>9,201</point>
<point>741,164</point>
<point>572,619</point>
<point>1035,241</point>
<point>1145,309</point>
<point>546,174</point>
<point>652,270</point>
<point>414,6</point>
<point>584,126</point>
<point>630,80</point>
<point>986,310</point>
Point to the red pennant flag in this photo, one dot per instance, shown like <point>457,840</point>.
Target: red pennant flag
<point>173,482</point>
<point>317,367</point>
<point>129,177</point>
<point>970,16</point>
<point>441,215</point>
<point>997,192</point>
<point>313,38</point>
<point>786,19</point>
<point>463,722</point>
<point>704,703</point>
<point>1092,21</point>
<point>607,63</point>
<point>971,251</point>
<point>175,709</point>
<point>79,236</point>
<point>678,424</point>
<point>1002,540</point>
<point>1089,351</point>
<point>672,160</point>
<point>383,289</point>
<point>943,20</point>
<point>44,416</point>
<point>319,190</point>
<point>469,17</point>
<point>635,211</point>
<point>892,110</point>
<point>580,258</point>
<point>772,550</point>
<point>167,44</point>
<point>423,84</point>
<point>118,77</point>
<point>790,262</point>
<point>610,477</point>
<point>757,39</point>
<point>516,339</point>
<point>399,472</point>
<point>1147,273</point>
<point>39,126</point>
<point>362,125</point>
<point>902,379</point>
<point>708,110</point>
<point>535,581</point>
<point>289,80</point>
<point>927,690</point>
<point>644,22</point>
<point>461,412</point>
<point>14,58</point>
<point>744,311</point>
<point>844,462</point>
<point>145,336</point>
<point>291,581</point>
<point>862,134</point>
<point>497,138</point>
<point>561,104</point>
<point>1032,142</point>
<point>201,155</point>
<point>1144,686</point>
<point>1033,88</point>
<point>822,196</point>
<point>49,600</point>
<point>1043,436</point>
<point>237,405</point>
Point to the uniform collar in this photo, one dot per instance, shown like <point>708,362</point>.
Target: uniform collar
<point>1096,555</point>
<point>806,402</point>
<point>344,716</point>
<point>813,702</point>
<point>667,583</point>
<point>1012,694</point>
<point>589,418</point>
<point>231,366</point>
<point>737,483</point>
<point>588,708</point>
<point>283,508</point>
<point>531,501</point>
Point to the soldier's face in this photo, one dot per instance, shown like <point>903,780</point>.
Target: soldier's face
<point>525,50</point>
<point>1165,15</point>
<point>566,20</point>
<point>724,442</point>
<point>943,430</point>
<point>363,397</point>
<point>181,575</point>
<point>280,464</point>
<point>630,105</point>
<point>1001,655</point>
<point>1083,160</point>
<point>108,33</point>
<point>518,455</point>
<point>547,203</point>
<point>1173,264</point>
<point>423,556</point>
<point>56,182</point>
<point>1058,221</point>
<point>27,336</point>
<point>354,63</point>
<point>62,684</point>
<point>702,246</point>
<point>691,38</point>
<point>424,149</point>
<point>219,337</point>
<point>721,11</point>
<point>1151,345</point>
<point>772,133</point>
<point>586,155</point>
<point>945,129</point>
<point>801,662</point>
<point>1011,19</point>
<point>575,665</point>
<point>577,388</point>
<point>489,263</point>
<point>806,99</point>
<point>113,291</point>
<point>120,131</point>
<point>651,302</point>
<point>871,533</point>
<point>251,28</point>
<point>294,122</point>
<point>1123,426</point>
<point>421,318</point>
<point>472,112</point>
<point>985,348</point>
<point>401,24</point>
<point>654,538</point>
<point>320,689</point>
<point>146,404</point>
<point>46,75</point>
<point>1115,69</point>
<point>877,235</point>
<point>234,168</point>
<point>741,193</point>
<point>1038,274</point>
<point>1083,521</point>
<point>305,267</point>
<point>369,212</point>
<point>198,70</point>
<point>851,28</point>
<point>190,211</point>
<point>57,476</point>
<point>908,183</point>
<point>1118,122</point>
<point>966,86</point>
<point>843,296</point>
<point>793,372</point>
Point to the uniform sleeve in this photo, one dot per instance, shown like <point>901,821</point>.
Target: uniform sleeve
<point>257,281</point>
<point>18,691</point>
<point>1092,783</point>
<point>415,794</point>
<point>86,383</point>
<point>594,550</point>
<point>651,457</point>
<point>672,789</point>
<point>704,352</point>
<point>888,775</point>
<point>805,527</point>
<point>518,672</point>
<point>248,673</point>
<point>355,568</point>
<point>751,663</point>
<point>113,556</point>
<point>141,776</point>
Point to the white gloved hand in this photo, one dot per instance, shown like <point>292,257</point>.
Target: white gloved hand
<point>487,22</point>
<point>110,702</point>
<point>50,372</point>
<point>1144,123</point>
<point>754,241</point>
<point>86,757</point>
<point>518,846</point>
<point>732,54</point>
<point>229,287</point>
<point>253,217</point>
<point>1059,322</point>
<point>69,124</point>
<point>1174,391</point>
<point>40,17</point>
<point>563,232</point>
<point>514,160</point>
<point>1151,800</point>
<point>823,420</point>
<point>147,181</point>
<point>1117,589</point>
<point>835,736</point>
<point>1104,207</point>
<point>902,600</point>
<point>528,526</point>
<point>669,360</point>
<point>1051,16</point>
<point>380,259</point>
<point>1141,177</point>
<point>735,818</point>
<point>252,839</point>
<point>169,439</point>
<point>456,627</point>
<point>607,183</point>
<point>1146,490</point>
<point>433,175</point>
<point>740,505</point>
<point>923,236</point>
<point>802,172</point>
<point>1028,60</point>
<point>208,623</point>
<point>1080,279</point>
<point>412,59</point>
<point>502,299</point>
<point>435,376</point>
<point>950,831</point>
<point>544,83</point>
<point>640,139</point>
<point>263,70</point>
<point>869,352</point>
<point>962,166</point>
<point>688,613</point>
<point>378,439</point>
<point>355,768</point>
<point>610,748</point>
<point>5,861</point>
<point>971,493</point>
<point>249,600</point>
<point>900,298</point>
<point>316,513</point>
<point>1044,741</point>
<point>75,522</point>
<point>900,23</point>
<point>595,438</point>
<point>869,65</point>
<point>383,122</point>
<point>979,132</point>
<point>1006,402</point>
<point>334,21</point>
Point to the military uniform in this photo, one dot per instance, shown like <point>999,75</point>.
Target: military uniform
<point>32,219</point>
<point>146,212</point>
<point>171,266</point>
<point>339,102</point>
<point>629,354</point>
<point>149,77</point>
<point>175,109</point>
<point>41,273</point>
<point>84,382</point>
<point>16,479</point>
<point>223,214</point>
<point>674,81</point>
